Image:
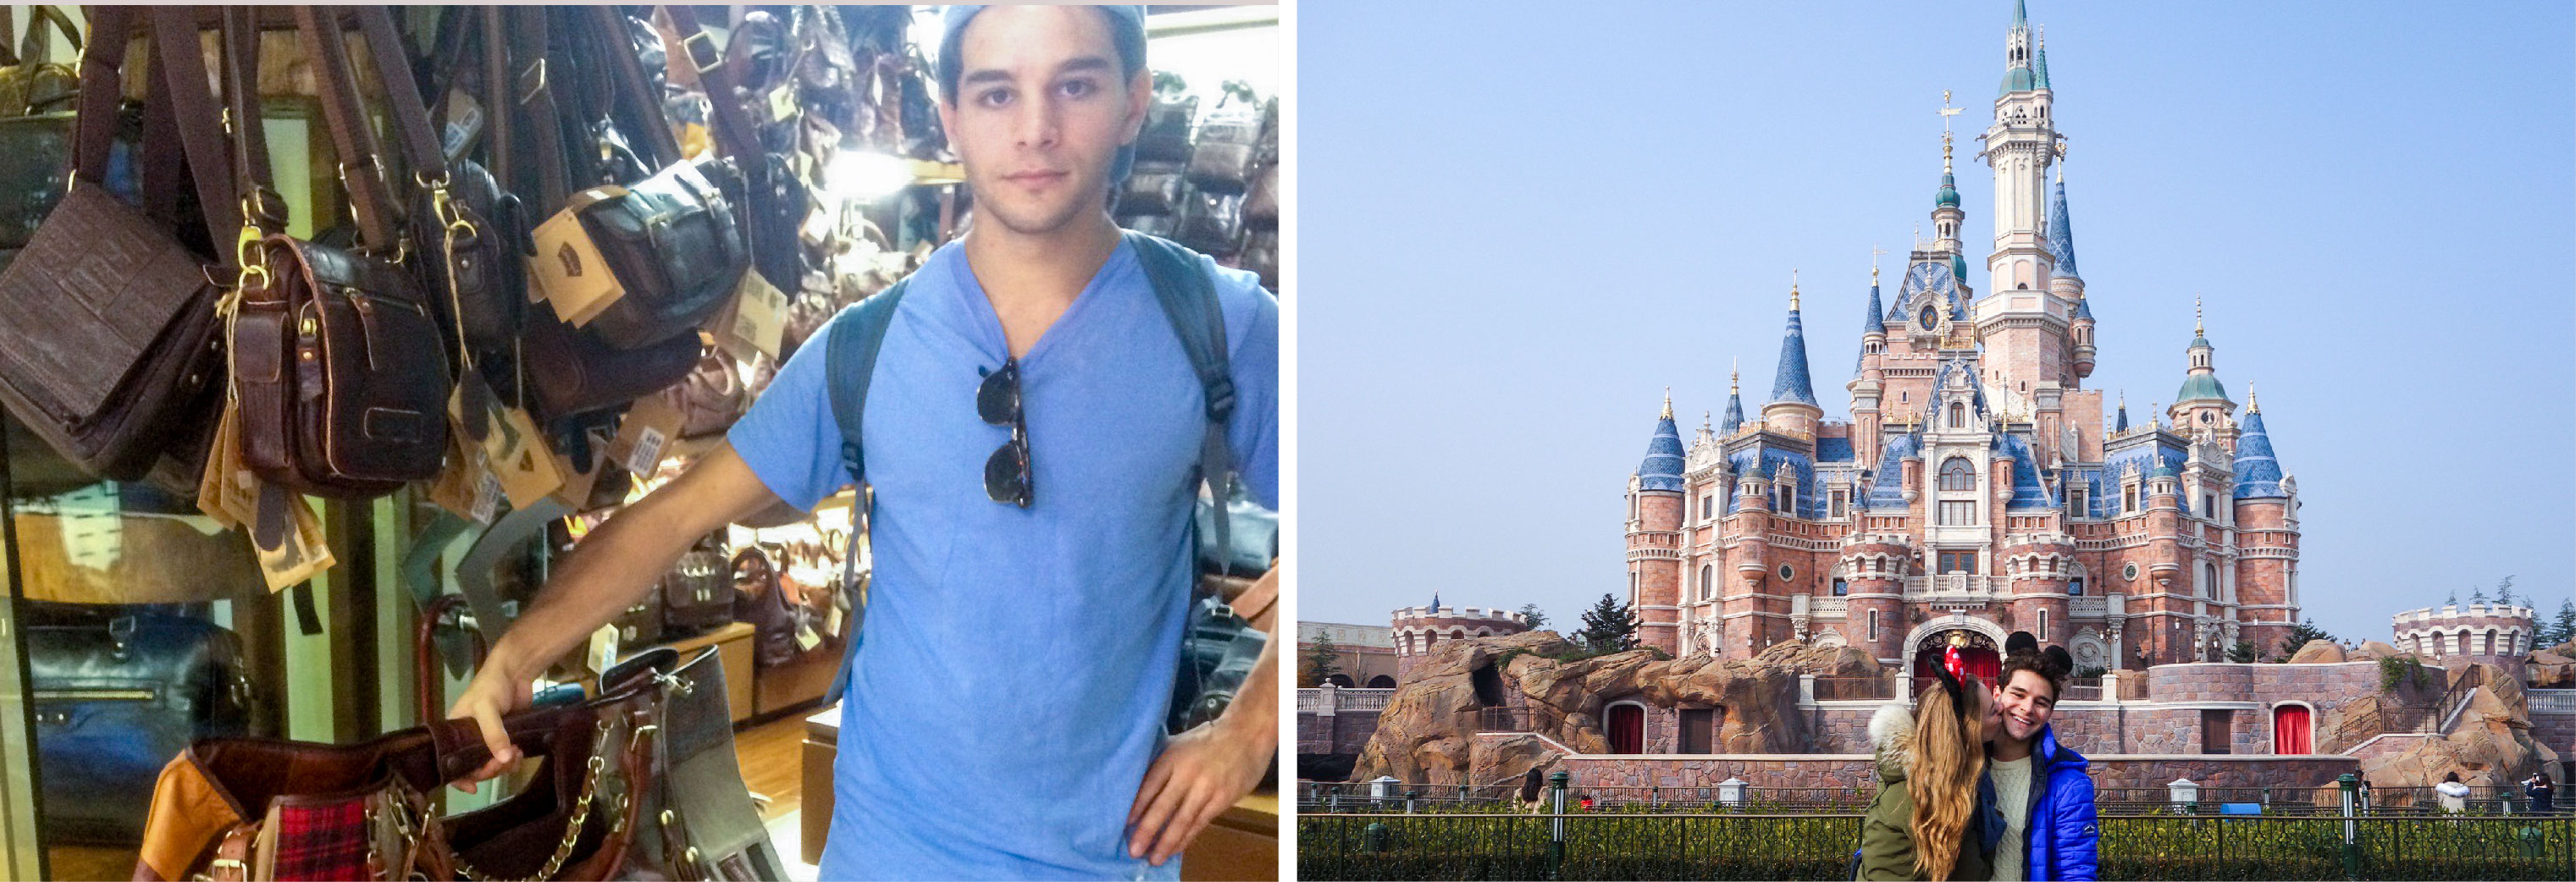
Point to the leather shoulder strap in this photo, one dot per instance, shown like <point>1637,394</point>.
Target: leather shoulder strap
<point>734,135</point>
<point>344,115</point>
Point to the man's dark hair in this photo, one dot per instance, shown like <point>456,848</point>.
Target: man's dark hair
<point>2052,665</point>
<point>1128,37</point>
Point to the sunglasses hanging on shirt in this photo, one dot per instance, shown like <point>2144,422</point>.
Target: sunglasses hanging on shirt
<point>997,400</point>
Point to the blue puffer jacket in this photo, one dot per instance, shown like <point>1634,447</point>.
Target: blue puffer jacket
<point>2064,832</point>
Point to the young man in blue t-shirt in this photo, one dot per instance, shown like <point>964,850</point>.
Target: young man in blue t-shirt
<point>1003,717</point>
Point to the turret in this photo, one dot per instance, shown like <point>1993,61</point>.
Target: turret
<point>2267,534</point>
<point>2064,282</point>
<point>1793,409</point>
<point>1750,526</point>
<point>2202,404</point>
<point>1655,537</point>
<point>1734,421</point>
<point>1869,378</point>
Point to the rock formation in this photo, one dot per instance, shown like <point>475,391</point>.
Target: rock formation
<point>2318,652</point>
<point>2551,669</point>
<point>2489,746</point>
<point>1428,732</point>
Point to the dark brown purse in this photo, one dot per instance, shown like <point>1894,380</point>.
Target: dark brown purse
<point>338,367</point>
<point>108,328</point>
<point>698,592</point>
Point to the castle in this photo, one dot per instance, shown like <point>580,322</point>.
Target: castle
<point>1976,489</point>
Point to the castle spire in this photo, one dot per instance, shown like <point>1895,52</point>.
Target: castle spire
<point>2122,425</point>
<point>2258,471</point>
<point>1789,383</point>
<point>1662,468</point>
<point>2061,231</point>
<point>1734,403</point>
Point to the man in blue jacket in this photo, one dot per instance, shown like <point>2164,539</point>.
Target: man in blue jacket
<point>2041,787</point>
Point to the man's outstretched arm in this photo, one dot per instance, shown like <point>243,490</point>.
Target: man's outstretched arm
<point>612,568</point>
<point>1206,770</point>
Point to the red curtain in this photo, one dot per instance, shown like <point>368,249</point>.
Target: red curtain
<point>1627,729</point>
<point>2290,730</point>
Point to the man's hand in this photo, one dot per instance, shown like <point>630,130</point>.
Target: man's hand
<point>1204,771</point>
<point>1200,774</point>
<point>494,692</point>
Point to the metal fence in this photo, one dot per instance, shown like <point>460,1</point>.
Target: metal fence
<point>1362,797</point>
<point>1588,845</point>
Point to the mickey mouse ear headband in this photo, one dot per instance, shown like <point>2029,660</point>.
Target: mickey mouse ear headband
<point>2057,661</point>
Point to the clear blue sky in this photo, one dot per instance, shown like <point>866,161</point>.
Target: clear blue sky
<point>1518,223</point>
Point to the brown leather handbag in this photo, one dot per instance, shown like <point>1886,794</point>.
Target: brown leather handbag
<point>338,366</point>
<point>108,328</point>
<point>698,593</point>
<point>640,782</point>
<point>711,399</point>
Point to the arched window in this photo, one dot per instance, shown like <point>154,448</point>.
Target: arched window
<point>1340,680</point>
<point>1873,624</point>
<point>1707,582</point>
<point>1381,681</point>
<point>2209,580</point>
<point>1958,415</point>
<point>1627,725</point>
<point>1957,474</point>
<point>2290,730</point>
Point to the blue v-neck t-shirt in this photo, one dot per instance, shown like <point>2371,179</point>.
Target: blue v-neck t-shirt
<point>1017,663</point>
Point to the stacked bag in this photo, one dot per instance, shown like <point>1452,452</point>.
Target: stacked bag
<point>1208,182</point>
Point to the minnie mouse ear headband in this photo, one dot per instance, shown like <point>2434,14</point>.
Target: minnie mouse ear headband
<point>1952,673</point>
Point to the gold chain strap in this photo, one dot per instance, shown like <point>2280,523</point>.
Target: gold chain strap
<point>572,830</point>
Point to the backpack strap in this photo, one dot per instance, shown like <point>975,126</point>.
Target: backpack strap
<point>1188,295</point>
<point>851,343</point>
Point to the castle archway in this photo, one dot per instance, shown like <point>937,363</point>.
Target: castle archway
<point>1980,643</point>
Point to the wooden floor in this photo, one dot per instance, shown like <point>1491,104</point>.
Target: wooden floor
<point>769,753</point>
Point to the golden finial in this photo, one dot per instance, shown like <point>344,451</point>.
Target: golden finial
<point>1734,377</point>
<point>1874,252</point>
<point>1668,402</point>
<point>2196,329</point>
<point>1704,421</point>
<point>1945,150</point>
<point>2252,404</point>
<point>1793,290</point>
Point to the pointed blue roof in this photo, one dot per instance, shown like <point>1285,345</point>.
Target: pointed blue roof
<point>2083,308</point>
<point>1734,414</point>
<point>2043,67</point>
<point>2123,424</point>
<point>1662,469</point>
<point>1870,324</point>
<point>2061,234</point>
<point>2258,473</point>
<point>1789,382</point>
<point>2020,14</point>
<point>1948,195</point>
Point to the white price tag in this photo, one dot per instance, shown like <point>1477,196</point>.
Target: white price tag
<point>487,496</point>
<point>646,458</point>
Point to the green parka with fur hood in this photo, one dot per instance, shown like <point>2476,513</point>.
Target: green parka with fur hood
<point>1887,835</point>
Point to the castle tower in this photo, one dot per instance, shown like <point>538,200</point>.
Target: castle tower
<point>1793,409</point>
<point>1946,216</point>
<point>1734,405</point>
<point>1869,378</point>
<point>2267,535</point>
<point>2166,566</point>
<point>1746,630</point>
<point>1655,537</point>
<point>2494,633</point>
<point>2202,405</point>
<point>2023,325</point>
<point>1874,567</point>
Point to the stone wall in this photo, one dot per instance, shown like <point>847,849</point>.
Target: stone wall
<point>1344,732</point>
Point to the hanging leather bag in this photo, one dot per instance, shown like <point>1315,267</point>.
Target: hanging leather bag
<point>108,329</point>
<point>698,592</point>
<point>114,697</point>
<point>337,363</point>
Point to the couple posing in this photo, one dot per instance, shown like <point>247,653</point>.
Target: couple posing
<point>1973,784</point>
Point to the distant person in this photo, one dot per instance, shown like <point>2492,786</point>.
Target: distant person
<point>2543,796</point>
<point>1926,822</point>
<point>2042,789</point>
<point>2454,795</point>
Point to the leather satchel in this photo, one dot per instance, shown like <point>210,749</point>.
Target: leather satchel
<point>114,699</point>
<point>337,362</point>
<point>108,328</point>
<point>634,784</point>
<point>760,598</point>
<point>710,399</point>
<point>698,592</point>
<point>572,371</point>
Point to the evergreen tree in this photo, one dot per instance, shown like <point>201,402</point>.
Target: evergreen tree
<point>2453,600</point>
<point>2566,630</point>
<point>1609,626</point>
<point>1322,661</point>
<point>2243,651</point>
<point>1537,619</point>
<point>2477,595</point>
<point>2504,591</point>
<point>2299,636</point>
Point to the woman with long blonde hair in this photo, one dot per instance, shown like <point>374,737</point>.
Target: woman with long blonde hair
<point>1926,821</point>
